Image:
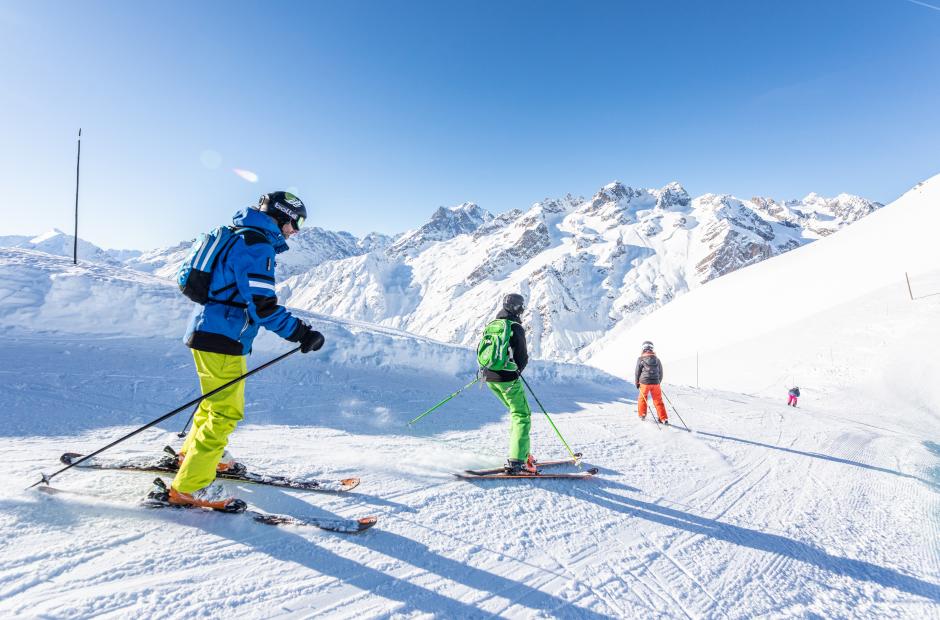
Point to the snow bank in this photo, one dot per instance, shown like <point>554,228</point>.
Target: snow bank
<point>45,293</point>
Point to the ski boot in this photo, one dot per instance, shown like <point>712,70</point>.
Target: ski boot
<point>213,496</point>
<point>228,464</point>
<point>516,467</point>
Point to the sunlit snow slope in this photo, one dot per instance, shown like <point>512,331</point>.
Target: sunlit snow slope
<point>827,510</point>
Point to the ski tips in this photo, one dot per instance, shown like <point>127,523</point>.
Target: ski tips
<point>349,483</point>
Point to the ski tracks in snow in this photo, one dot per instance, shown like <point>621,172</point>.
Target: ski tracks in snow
<point>750,515</point>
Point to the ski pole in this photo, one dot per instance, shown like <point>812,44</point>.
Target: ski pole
<point>651,408</point>
<point>47,477</point>
<point>677,413</point>
<point>182,433</point>
<point>577,461</point>
<point>444,401</point>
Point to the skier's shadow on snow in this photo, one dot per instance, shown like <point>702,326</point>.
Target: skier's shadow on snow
<point>417,554</point>
<point>289,547</point>
<point>278,500</point>
<point>755,539</point>
<point>286,546</point>
<point>818,455</point>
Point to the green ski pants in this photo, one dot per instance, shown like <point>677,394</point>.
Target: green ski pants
<point>215,419</point>
<point>512,394</point>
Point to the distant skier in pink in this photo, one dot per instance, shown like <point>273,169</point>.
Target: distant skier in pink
<point>794,394</point>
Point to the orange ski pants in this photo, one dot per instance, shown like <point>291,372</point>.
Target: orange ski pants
<point>657,393</point>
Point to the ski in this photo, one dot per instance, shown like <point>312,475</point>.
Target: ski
<point>343,526</point>
<point>167,465</point>
<point>539,464</point>
<point>467,475</point>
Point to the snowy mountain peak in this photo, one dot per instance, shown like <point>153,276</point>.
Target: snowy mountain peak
<point>445,224</point>
<point>673,197</point>
<point>59,243</point>
<point>585,265</point>
<point>49,234</point>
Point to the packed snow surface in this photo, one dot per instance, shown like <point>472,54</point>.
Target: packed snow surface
<point>826,510</point>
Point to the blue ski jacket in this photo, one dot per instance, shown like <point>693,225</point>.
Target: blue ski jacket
<point>241,292</point>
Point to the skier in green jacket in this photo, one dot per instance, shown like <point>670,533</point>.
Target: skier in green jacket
<point>508,387</point>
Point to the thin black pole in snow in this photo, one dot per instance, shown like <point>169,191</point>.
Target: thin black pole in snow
<point>47,477</point>
<point>182,433</point>
<point>677,413</point>
<point>78,167</point>
<point>909,291</point>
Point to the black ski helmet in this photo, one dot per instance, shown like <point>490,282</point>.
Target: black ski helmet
<point>284,207</point>
<point>514,303</point>
<point>647,346</point>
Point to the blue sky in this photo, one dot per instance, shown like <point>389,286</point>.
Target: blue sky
<point>379,112</point>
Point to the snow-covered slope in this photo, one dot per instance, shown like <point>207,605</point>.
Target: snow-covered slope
<point>61,244</point>
<point>586,266</point>
<point>827,510</point>
<point>45,294</point>
<point>799,304</point>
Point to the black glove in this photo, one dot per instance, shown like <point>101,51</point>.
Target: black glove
<point>637,386</point>
<point>311,341</point>
<point>309,338</point>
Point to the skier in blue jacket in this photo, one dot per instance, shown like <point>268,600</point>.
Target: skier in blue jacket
<point>220,334</point>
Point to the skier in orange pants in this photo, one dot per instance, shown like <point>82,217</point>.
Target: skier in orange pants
<point>648,377</point>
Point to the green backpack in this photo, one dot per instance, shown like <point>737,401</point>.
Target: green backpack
<point>493,350</point>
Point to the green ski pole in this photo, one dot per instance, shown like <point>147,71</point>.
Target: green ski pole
<point>444,401</point>
<point>577,461</point>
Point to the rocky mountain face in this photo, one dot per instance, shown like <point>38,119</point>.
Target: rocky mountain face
<point>444,224</point>
<point>585,265</point>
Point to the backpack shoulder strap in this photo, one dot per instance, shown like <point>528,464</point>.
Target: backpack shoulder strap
<point>252,236</point>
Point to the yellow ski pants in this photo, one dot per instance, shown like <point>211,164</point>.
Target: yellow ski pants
<point>215,419</point>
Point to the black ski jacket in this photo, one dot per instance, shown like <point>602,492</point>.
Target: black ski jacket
<point>649,370</point>
<point>795,392</point>
<point>517,351</point>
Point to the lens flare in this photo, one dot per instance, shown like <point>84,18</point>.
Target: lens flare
<point>248,175</point>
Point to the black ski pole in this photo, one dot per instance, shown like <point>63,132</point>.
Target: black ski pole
<point>182,433</point>
<point>677,413</point>
<point>47,477</point>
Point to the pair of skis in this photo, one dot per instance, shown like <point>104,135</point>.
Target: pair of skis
<point>501,473</point>
<point>168,464</point>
